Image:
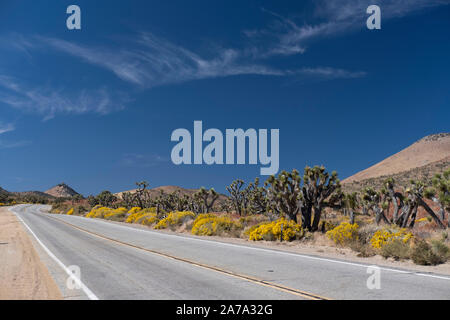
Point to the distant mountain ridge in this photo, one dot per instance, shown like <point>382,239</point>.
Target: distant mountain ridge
<point>61,190</point>
<point>421,160</point>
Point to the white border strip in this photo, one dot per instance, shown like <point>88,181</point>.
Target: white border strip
<point>77,280</point>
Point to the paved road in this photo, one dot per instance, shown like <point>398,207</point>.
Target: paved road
<point>117,261</point>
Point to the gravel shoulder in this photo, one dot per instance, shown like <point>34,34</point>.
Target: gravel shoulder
<point>22,274</point>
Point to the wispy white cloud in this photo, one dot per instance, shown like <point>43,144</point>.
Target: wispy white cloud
<point>6,127</point>
<point>49,101</point>
<point>141,160</point>
<point>335,17</point>
<point>331,73</point>
<point>154,61</point>
<point>14,144</point>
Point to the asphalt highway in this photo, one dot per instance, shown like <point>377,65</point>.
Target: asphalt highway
<point>97,259</point>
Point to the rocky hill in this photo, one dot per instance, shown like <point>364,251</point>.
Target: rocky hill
<point>61,190</point>
<point>421,160</point>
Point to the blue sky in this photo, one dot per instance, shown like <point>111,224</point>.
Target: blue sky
<point>95,107</point>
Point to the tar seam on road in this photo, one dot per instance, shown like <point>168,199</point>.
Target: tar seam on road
<point>86,290</point>
<point>262,282</point>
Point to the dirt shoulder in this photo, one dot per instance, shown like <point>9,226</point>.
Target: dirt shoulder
<point>22,274</point>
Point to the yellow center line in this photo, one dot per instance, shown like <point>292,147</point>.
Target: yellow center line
<point>262,282</point>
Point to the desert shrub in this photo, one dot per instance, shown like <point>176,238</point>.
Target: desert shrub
<point>272,231</point>
<point>366,232</point>
<point>441,249</point>
<point>253,219</point>
<point>138,214</point>
<point>116,214</point>
<point>328,225</point>
<point>364,249</point>
<point>344,234</point>
<point>98,212</point>
<point>174,219</point>
<point>424,254</point>
<point>80,210</point>
<point>70,212</point>
<point>397,249</point>
<point>147,219</point>
<point>134,210</point>
<point>210,224</point>
<point>386,235</point>
<point>250,229</point>
<point>203,216</point>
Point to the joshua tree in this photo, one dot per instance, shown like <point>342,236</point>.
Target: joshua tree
<point>195,204</point>
<point>257,197</point>
<point>396,198</point>
<point>376,202</point>
<point>208,197</point>
<point>415,194</point>
<point>283,194</point>
<point>140,194</point>
<point>226,205</point>
<point>440,193</point>
<point>181,202</point>
<point>350,202</point>
<point>236,195</point>
<point>106,198</point>
<point>319,190</point>
<point>128,199</point>
<point>92,201</point>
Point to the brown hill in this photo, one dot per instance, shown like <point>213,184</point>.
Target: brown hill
<point>169,189</point>
<point>421,160</point>
<point>38,194</point>
<point>62,190</point>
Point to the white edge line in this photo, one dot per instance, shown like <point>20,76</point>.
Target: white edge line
<point>274,251</point>
<point>77,280</point>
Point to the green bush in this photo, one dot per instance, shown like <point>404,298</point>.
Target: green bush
<point>396,249</point>
<point>364,249</point>
<point>424,254</point>
<point>440,249</point>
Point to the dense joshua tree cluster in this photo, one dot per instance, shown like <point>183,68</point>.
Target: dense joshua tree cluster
<point>286,195</point>
<point>202,201</point>
<point>406,204</point>
<point>291,195</point>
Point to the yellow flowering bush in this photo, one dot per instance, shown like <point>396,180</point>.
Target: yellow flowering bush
<point>136,215</point>
<point>132,217</point>
<point>174,218</point>
<point>115,213</point>
<point>210,224</point>
<point>98,212</point>
<point>343,233</point>
<point>134,210</point>
<point>328,225</point>
<point>70,212</point>
<point>147,219</point>
<point>272,230</point>
<point>385,236</point>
